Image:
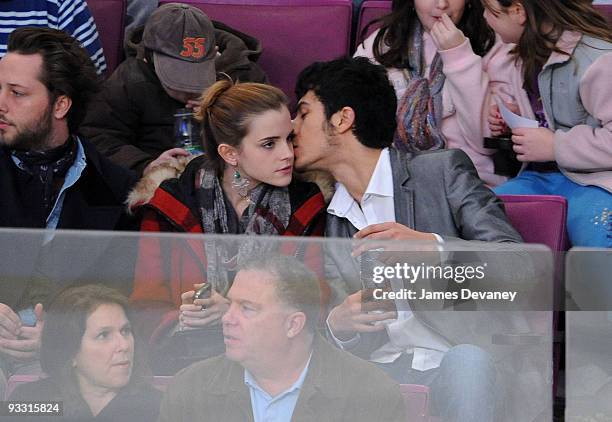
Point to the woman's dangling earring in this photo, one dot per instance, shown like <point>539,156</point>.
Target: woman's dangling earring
<point>241,184</point>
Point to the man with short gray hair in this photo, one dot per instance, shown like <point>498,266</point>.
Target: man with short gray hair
<point>276,367</point>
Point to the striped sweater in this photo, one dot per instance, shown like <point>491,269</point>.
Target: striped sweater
<point>71,16</point>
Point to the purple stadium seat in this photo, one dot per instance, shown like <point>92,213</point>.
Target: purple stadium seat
<point>294,33</point>
<point>416,399</point>
<point>606,10</point>
<point>110,16</point>
<point>370,10</point>
<point>539,218</point>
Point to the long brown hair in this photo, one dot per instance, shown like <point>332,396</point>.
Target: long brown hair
<point>396,29</point>
<point>537,41</point>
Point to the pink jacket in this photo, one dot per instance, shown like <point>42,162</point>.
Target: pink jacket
<point>583,152</point>
<point>465,96</point>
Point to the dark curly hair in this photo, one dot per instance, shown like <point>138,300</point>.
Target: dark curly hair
<point>359,84</point>
<point>392,43</point>
<point>67,68</point>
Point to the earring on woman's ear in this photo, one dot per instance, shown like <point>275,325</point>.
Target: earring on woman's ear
<point>240,184</point>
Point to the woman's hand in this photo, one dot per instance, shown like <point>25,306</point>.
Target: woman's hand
<point>497,125</point>
<point>445,34</point>
<point>534,144</point>
<point>201,312</point>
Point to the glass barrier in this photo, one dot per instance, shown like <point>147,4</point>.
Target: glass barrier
<point>589,335</point>
<point>202,327</point>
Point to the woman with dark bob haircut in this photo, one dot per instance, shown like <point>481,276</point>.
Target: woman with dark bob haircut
<point>91,359</point>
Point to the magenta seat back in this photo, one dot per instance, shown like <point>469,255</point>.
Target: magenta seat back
<point>370,10</point>
<point>293,33</point>
<point>109,16</point>
<point>416,399</point>
<point>539,218</point>
<point>606,10</point>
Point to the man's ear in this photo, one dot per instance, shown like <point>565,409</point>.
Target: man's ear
<point>343,120</point>
<point>295,323</point>
<point>229,154</point>
<point>517,11</point>
<point>61,107</point>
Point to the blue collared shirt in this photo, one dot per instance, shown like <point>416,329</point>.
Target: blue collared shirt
<point>72,176</point>
<point>274,409</point>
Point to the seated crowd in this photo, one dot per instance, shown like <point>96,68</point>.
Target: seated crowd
<point>387,145</point>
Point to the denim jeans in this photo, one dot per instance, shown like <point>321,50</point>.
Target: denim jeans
<point>462,389</point>
<point>589,214</point>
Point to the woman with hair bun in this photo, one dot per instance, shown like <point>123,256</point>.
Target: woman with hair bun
<point>242,184</point>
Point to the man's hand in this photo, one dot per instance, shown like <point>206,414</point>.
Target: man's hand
<point>194,105</point>
<point>169,156</point>
<point>26,345</point>
<point>445,34</point>
<point>201,312</point>
<point>350,318</point>
<point>534,144</point>
<point>392,231</point>
<point>387,231</point>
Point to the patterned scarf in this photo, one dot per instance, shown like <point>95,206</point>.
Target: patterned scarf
<point>47,166</point>
<point>267,214</point>
<point>420,110</point>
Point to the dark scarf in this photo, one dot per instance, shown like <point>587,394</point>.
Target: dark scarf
<point>267,214</point>
<point>49,167</point>
<point>420,108</point>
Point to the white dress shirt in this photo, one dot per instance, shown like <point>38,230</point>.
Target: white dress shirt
<point>406,333</point>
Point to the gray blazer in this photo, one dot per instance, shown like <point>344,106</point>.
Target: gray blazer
<point>440,192</point>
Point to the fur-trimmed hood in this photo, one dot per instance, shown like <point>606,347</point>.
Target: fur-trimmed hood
<point>151,180</point>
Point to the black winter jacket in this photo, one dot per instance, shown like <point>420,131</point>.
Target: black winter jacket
<point>131,121</point>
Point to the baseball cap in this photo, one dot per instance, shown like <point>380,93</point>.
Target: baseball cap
<point>182,39</point>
